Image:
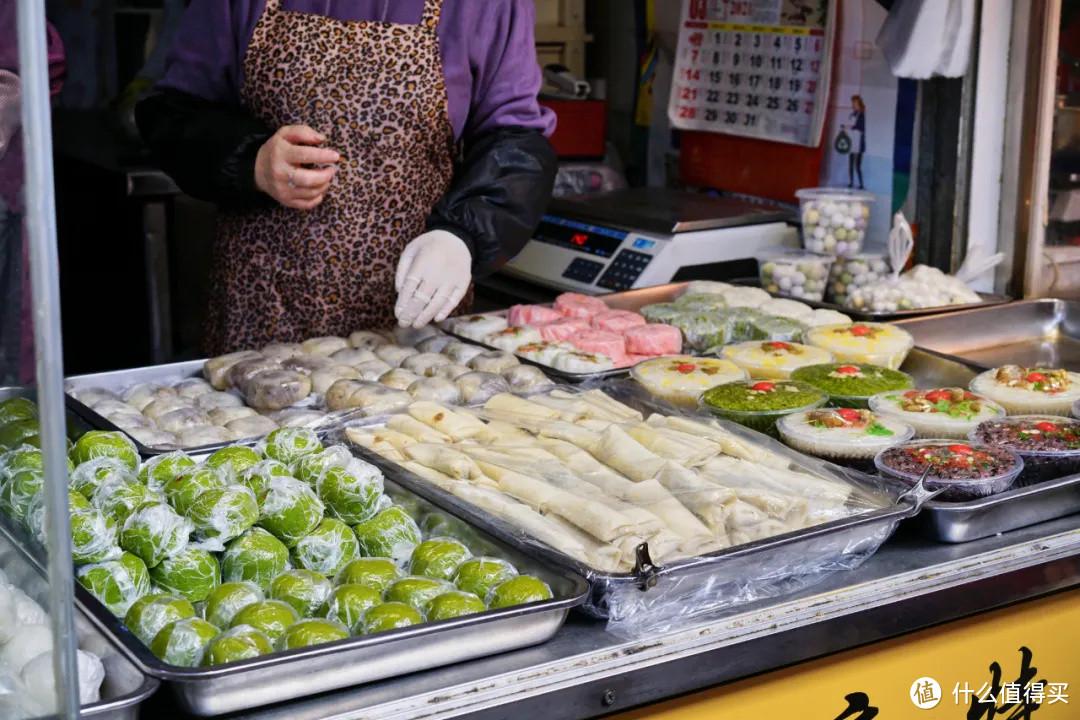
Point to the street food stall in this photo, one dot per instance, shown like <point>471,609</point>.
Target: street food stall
<point>844,484</point>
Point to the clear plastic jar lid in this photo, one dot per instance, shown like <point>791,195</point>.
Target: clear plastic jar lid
<point>834,193</point>
<point>842,432</point>
<point>998,433</point>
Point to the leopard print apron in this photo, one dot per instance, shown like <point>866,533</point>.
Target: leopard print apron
<point>376,91</point>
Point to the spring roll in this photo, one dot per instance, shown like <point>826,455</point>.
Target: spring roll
<point>408,425</point>
<point>514,407</point>
<point>621,452</point>
<point>444,459</point>
<point>457,426</point>
<point>375,443</point>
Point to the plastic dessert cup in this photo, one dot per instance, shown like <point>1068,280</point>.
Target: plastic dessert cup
<point>759,405</point>
<point>963,471</point>
<point>874,343</point>
<point>834,220</point>
<point>680,379</point>
<point>801,275</point>
<point>1024,391</point>
<point>843,435</point>
<point>950,413</point>
<point>852,385</point>
<point>1049,444</point>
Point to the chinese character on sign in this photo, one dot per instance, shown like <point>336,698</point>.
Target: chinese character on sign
<point>926,693</point>
<point>1055,692</point>
<point>1011,701</point>
<point>858,703</point>
<point>962,695</point>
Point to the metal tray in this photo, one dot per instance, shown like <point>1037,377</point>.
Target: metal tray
<point>1032,332</point>
<point>988,300</point>
<point>767,559</point>
<point>125,686</point>
<point>1029,332</point>
<point>118,380</point>
<point>548,369</point>
<point>284,676</point>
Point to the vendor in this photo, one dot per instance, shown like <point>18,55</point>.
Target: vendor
<point>327,132</point>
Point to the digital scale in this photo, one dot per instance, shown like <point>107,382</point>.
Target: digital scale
<point>643,237</point>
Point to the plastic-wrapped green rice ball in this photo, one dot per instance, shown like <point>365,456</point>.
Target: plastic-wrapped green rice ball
<point>304,590</point>
<point>389,616</point>
<point>438,558</point>
<point>271,617</point>
<point>479,575</point>
<point>416,591</point>
<point>91,475</point>
<point>93,537</point>
<point>153,532</point>
<point>35,521</point>
<point>373,572</point>
<point>17,408</point>
<point>310,467</point>
<point>348,603</point>
<point>186,489</point>
<point>256,556</point>
<point>518,591</point>
<point>352,493</point>
<point>181,642</point>
<point>20,493</point>
<point>454,604</point>
<point>391,533</point>
<point>160,470</point>
<point>101,443</point>
<point>19,432</point>
<point>257,477</point>
<point>289,510</point>
<point>191,573</point>
<point>120,496</point>
<point>242,642</point>
<point>288,445</point>
<point>311,632</point>
<point>222,514</point>
<point>76,501</point>
<point>116,583</point>
<point>23,457</point>
<point>236,458</point>
<point>328,548</point>
<point>150,613</point>
<point>228,599</point>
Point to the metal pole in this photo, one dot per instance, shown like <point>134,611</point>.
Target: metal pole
<point>45,280</point>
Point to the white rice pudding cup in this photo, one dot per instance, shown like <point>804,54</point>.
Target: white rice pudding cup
<point>888,351</point>
<point>840,444</point>
<point>656,376</point>
<point>934,425</point>
<point>1020,401</point>
<point>764,365</point>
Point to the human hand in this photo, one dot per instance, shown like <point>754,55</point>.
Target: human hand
<point>281,172</point>
<point>432,276</point>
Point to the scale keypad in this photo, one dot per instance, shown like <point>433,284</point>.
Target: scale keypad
<point>624,270</point>
<point>583,270</point>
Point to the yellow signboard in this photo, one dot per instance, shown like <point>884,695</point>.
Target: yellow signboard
<point>1019,663</point>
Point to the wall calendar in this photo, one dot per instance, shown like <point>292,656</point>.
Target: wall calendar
<point>754,68</point>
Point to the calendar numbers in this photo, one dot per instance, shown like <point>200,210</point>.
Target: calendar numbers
<point>746,67</point>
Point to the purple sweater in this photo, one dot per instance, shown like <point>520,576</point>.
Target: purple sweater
<point>488,53</point>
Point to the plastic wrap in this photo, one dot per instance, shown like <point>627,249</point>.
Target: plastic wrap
<point>637,494</point>
<point>303,590</point>
<point>242,642</point>
<point>154,532</point>
<point>221,606</point>
<point>192,573</point>
<point>181,643</point>
<point>328,548</point>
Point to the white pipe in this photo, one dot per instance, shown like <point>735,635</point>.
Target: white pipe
<point>45,280</point>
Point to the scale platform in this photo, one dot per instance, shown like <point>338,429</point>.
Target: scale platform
<point>642,237</point>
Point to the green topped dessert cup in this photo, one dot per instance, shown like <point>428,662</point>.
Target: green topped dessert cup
<point>851,385</point>
<point>759,404</point>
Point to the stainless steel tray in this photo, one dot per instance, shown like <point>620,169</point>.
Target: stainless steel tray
<point>125,686</point>
<point>1029,332</point>
<point>988,300</point>
<point>1033,332</point>
<point>118,380</point>
<point>548,369</point>
<point>284,676</point>
<point>764,559</point>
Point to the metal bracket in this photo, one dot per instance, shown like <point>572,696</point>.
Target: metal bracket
<point>648,573</point>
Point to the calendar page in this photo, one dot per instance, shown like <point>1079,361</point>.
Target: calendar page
<point>755,68</point>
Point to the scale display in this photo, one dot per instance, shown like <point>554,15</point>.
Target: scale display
<point>599,241</point>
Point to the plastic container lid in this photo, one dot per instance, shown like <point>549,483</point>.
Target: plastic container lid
<point>944,417</point>
<point>834,193</point>
<point>949,451</point>
<point>1039,425</point>
<point>842,433</point>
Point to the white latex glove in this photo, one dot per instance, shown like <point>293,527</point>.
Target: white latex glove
<point>432,276</point>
